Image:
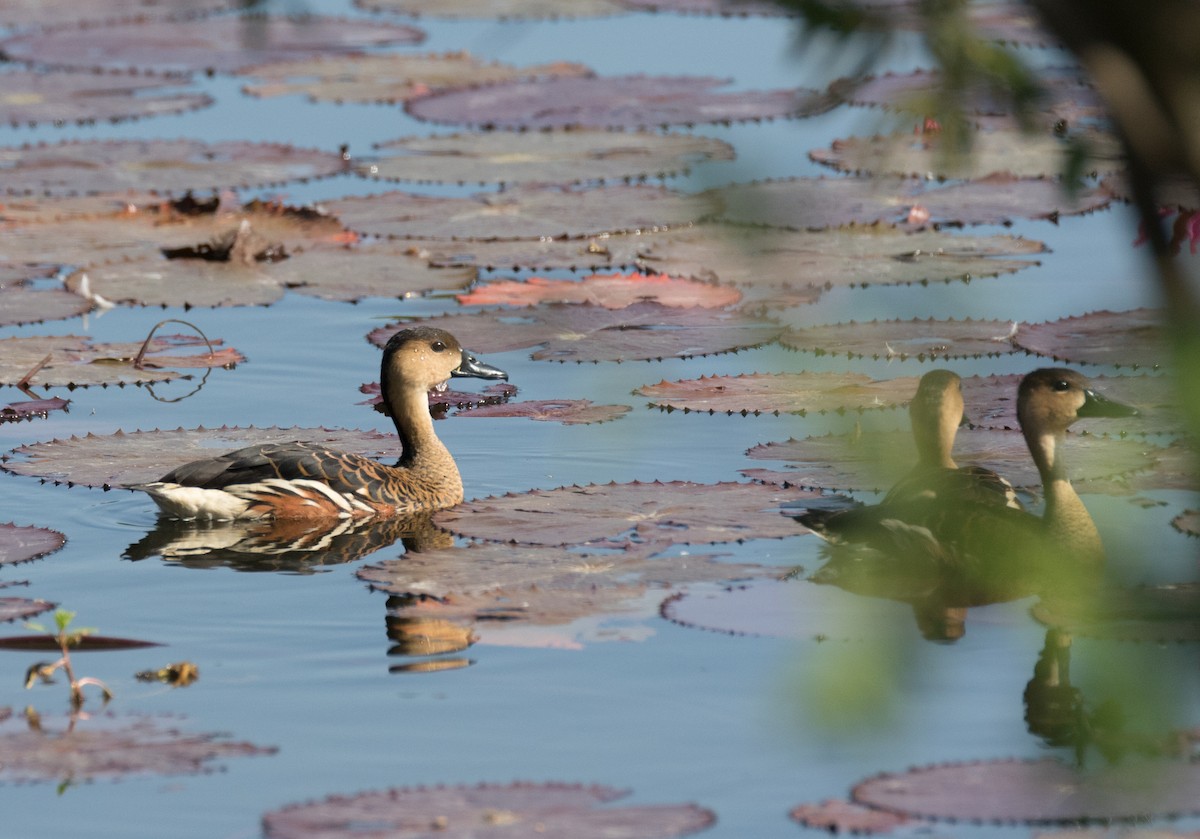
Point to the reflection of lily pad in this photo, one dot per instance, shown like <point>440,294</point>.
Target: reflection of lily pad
<point>75,167</point>
<point>221,44</point>
<point>776,393</point>
<point>27,409</point>
<point>548,157</point>
<point>22,544</point>
<point>612,102</point>
<point>612,291</point>
<point>1133,338</point>
<point>1036,791</point>
<point>36,97</point>
<point>923,340</point>
<point>582,332</point>
<point>837,816</point>
<point>498,9</point>
<point>108,747</point>
<point>678,512</point>
<point>520,809</point>
<point>388,77</point>
<point>527,213</point>
<point>79,362</point>
<point>566,411</point>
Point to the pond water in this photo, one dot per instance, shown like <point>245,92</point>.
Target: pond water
<point>301,661</point>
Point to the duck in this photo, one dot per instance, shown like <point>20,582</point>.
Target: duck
<point>298,480</point>
<point>966,519</point>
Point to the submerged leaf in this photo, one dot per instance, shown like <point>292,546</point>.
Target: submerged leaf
<point>1133,338</point>
<point>77,361</point>
<point>611,291</point>
<point>520,809</point>
<point>775,393</point>
<point>923,340</point>
<point>24,543</point>
<point>566,411</point>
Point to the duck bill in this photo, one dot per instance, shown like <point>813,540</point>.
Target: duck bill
<point>471,366</point>
<point>1095,405</point>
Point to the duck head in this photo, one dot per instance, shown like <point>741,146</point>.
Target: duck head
<point>425,357</point>
<point>936,412</point>
<point>1051,399</point>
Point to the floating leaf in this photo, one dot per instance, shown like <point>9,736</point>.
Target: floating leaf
<point>22,544</point>
<point>156,281</point>
<point>548,157</point>
<point>923,340</point>
<point>776,393</point>
<point>1036,791</point>
<point>22,302</point>
<point>1008,150</point>
<point>497,9</point>
<point>838,816</point>
<point>566,411</point>
<point>41,208</point>
<point>136,457</point>
<point>1175,467</point>
<point>87,643</point>
<point>724,8</point>
<point>594,253</point>
<point>816,203</point>
<point>678,512</point>
<point>78,361</point>
<point>469,812</point>
<point>869,461</point>
<point>19,609</point>
<point>111,748</point>
<point>75,167</point>
<point>60,12</point>
<point>30,408</point>
<point>1187,522</point>
<point>582,332</point>
<point>612,102</point>
<point>520,213</point>
<point>220,44</point>
<point>1132,338</point>
<point>614,291</point>
<point>33,97</point>
<point>490,395</point>
<point>389,77</point>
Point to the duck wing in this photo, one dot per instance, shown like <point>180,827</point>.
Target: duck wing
<point>341,471</point>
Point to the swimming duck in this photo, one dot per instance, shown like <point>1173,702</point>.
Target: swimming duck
<point>305,480</point>
<point>945,516</point>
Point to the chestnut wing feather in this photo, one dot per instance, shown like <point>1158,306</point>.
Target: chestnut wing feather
<point>342,471</point>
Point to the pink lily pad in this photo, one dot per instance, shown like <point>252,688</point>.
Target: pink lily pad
<point>84,98</point>
<point>582,332</point>
<point>922,340</point>
<point>498,9</point>
<point>780,393</point>
<point>677,512</point>
<point>520,213</point>
<point>19,609</point>
<point>566,411</point>
<point>838,816</point>
<point>612,102</point>
<point>76,361</point>
<point>490,395</point>
<point>1132,338</point>
<point>389,77</point>
<point>210,44</point>
<point>614,291</point>
<point>25,543</point>
<point>550,809</point>
<point>29,408</point>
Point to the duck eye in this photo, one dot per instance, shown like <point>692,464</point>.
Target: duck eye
<point>437,346</point>
<point>1062,385</point>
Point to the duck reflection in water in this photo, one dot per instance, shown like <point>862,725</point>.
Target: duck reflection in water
<point>945,537</point>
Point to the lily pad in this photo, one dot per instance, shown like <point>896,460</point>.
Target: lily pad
<point>23,302</point>
<point>837,816</point>
<point>136,457</point>
<point>75,167</point>
<point>583,332</point>
<point>678,512</point>
<point>210,44</point>
<point>874,461</point>
<point>922,340</point>
<point>1005,151</point>
<point>389,77</point>
<point>1133,338</point>
<point>614,291</point>
<point>593,253</point>
<point>76,361</point>
<point>781,393</point>
<point>816,203</point>
<point>520,213</point>
<point>31,13</point>
<point>24,543</point>
<point>489,395</point>
<point>36,97</point>
<point>496,9</point>
<point>566,411</point>
<point>19,609</point>
<point>1187,522</point>
<point>485,810</point>
<point>612,102</point>
<point>547,157</point>
<point>109,748</point>
<point>42,208</point>
<point>89,643</point>
<point>724,8</point>
<point>1036,791</point>
<point>29,408</point>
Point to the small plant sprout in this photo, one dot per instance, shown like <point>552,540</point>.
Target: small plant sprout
<point>65,637</point>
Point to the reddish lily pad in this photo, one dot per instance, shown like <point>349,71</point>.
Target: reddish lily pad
<point>816,203</point>
<point>1132,338</point>
<point>24,543</point>
<point>109,748</point>
<point>211,44</point>
<point>612,102</point>
<point>19,609</point>
<point>520,213</point>
<point>30,13</point>
<point>838,816</point>
<point>519,809</point>
<point>923,340</point>
<point>614,291</point>
<point>566,411</point>
<point>780,393</point>
<point>83,98</point>
<point>77,361</point>
<point>582,332</point>
<point>678,512</point>
<point>490,395</point>
<point>1011,151</point>
<point>1036,791</point>
<point>136,457</point>
<point>29,408</point>
<point>77,167</point>
<point>390,77</point>
<point>547,157</point>
<point>498,9</point>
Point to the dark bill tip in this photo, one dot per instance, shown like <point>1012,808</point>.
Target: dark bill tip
<point>471,366</point>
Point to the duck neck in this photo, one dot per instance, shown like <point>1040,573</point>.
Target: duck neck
<point>934,444</point>
<point>422,451</point>
<point>1067,522</point>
